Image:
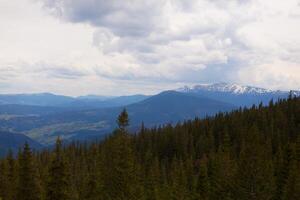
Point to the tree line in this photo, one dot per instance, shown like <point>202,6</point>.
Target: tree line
<point>247,154</point>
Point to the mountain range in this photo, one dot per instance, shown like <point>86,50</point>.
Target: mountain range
<point>43,117</point>
<point>236,94</point>
<point>60,101</point>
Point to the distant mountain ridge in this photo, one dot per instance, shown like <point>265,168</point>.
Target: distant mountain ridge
<point>81,102</point>
<point>98,101</point>
<point>236,94</point>
<point>38,99</point>
<point>230,88</point>
<point>92,116</point>
<point>160,109</point>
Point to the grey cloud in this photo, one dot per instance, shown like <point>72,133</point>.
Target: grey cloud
<point>56,71</point>
<point>124,18</point>
<point>40,68</point>
<point>64,73</point>
<point>51,70</point>
<point>142,28</point>
<point>180,40</point>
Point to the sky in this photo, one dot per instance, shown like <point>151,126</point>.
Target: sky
<point>116,47</point>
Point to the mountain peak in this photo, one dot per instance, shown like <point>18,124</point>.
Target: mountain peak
<point>225,87</point>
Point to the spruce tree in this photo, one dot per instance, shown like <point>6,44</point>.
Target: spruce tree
<point>58,185</point>
<point>255,171</point>
<point>120,168</point>
<point>292,187</point>
<point>123,120</point>
<point>4,182</point>
<point>290,175</point>
<point>203,180</point>
<point>284,170</point>
<point>162,163</point>
<point>152,178</point>
<point>11,176</point>
<point>225,169</point>
<point>93,189</point>
<point>28,184</point>
<point>179,181</point>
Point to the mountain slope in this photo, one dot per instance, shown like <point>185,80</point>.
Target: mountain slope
<point>14,141</point>
<point>166,107</point>
<point>172,106</point>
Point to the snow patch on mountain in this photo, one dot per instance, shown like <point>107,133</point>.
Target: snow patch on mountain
<point>231,88</point>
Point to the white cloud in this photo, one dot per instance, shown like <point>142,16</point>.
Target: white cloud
<point>96,44</point>
<point>272,75</point>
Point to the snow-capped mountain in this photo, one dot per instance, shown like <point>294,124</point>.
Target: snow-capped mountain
<point>227,87</point>
<point>233,88</point>
<point>239,95</point>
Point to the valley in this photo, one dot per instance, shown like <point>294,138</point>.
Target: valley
<point>45,121</point>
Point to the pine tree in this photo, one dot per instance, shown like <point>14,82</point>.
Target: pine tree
<point>214,177</point>
<point>225,169</point>
<point>246,151</point>
<point>123,120</point>
<point>120,168</point>
<point>283,173</point>
<point>179,181</point>
<point>191,176</point>
<point>119,177</point>
<point>152,179</point>
<point>29,184</point>
<point>255,172</point>
<point>11,176</point>
<point>93,189</point>
<point>298,150</point>
<point>203,180</point>
<point>290,176</point>
<point>58,185</point>
<point>4,182</point>
<point>292,187</point>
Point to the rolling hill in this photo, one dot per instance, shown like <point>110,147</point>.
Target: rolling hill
<point>14,141</point>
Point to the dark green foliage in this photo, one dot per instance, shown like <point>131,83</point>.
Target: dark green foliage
<point>58,184</point>
<point>123,120</point>
<point>10,191</point>
<point>255,170</point>
<point>248,154</point>
<point>28,182</point>
<point>120,178</point>
<point>4,180</point>
<point>203,181</point>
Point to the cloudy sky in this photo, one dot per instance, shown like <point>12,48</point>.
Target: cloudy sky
<point>116,47</point>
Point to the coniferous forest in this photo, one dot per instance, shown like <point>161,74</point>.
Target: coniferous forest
<point>247,154</point>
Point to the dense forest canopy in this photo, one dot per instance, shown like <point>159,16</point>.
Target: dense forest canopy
<point>245,154</point>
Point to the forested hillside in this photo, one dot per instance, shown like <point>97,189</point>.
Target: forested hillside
<point>248,154</point>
